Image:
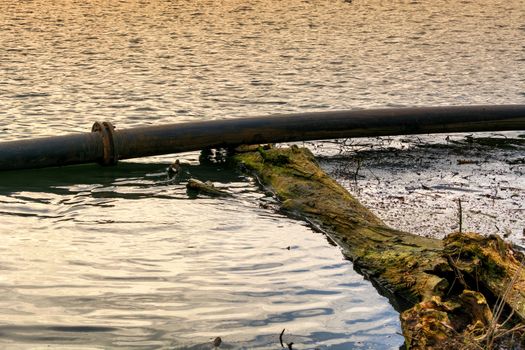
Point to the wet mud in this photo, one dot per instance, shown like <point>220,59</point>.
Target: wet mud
<point>417,184</point>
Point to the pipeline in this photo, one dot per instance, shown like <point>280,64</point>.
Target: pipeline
<point>106,145</point>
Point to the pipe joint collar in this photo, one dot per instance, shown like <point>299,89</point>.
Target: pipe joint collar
<point>106,130</point>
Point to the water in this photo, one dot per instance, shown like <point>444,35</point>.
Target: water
<point>65,64</point>
<point>121,257</point>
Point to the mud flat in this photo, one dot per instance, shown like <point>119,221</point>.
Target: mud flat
<point>407,180</point>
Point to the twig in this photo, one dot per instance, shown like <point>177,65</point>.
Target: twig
<point>460,216</point>
<point>358,167</point>
<point>289,345</point>
<point>499,306</point>
<point>457,272</point>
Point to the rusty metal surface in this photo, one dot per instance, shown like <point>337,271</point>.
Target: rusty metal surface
<point>107,145</point>
<point>106,130</point>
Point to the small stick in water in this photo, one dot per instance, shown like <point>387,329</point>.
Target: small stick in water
<point>281,337</point>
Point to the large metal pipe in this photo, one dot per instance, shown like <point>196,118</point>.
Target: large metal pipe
<point>105,145</point>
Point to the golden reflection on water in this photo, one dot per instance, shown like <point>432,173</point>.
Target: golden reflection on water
<point>65,63</point>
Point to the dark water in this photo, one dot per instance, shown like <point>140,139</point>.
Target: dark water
<point>121,257</point>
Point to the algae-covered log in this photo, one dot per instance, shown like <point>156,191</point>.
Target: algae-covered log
<point>444,289</point>
<point>206,188</point>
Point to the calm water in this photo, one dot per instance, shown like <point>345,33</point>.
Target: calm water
<point>121,257</point>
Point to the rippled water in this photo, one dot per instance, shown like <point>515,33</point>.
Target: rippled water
<point>122,257</point>
<point>67,63</point>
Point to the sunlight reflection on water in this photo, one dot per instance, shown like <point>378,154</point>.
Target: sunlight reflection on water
<point>151,268</point>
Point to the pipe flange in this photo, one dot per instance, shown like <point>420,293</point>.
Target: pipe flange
<point>106,130</point>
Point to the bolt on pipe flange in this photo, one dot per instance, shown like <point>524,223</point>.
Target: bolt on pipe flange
<point>110,152</point>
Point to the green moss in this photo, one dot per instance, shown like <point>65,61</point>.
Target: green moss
<point>408,267</point>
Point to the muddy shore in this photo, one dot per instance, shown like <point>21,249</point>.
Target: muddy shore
<point>447,291</point>
<point>414,183</point>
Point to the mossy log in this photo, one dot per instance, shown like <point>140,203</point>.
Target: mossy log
<point>206,188</point>
<point>444,289</point>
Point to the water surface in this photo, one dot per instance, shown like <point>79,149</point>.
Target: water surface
<point>122,257</point>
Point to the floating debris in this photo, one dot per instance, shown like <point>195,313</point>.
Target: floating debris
<point>174,168</point>
<point>289,345</point>
<point>207,188</point>
<point>217,342</point>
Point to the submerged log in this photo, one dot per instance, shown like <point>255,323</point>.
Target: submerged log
<point>446,290</point>
<point>206,188</point>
